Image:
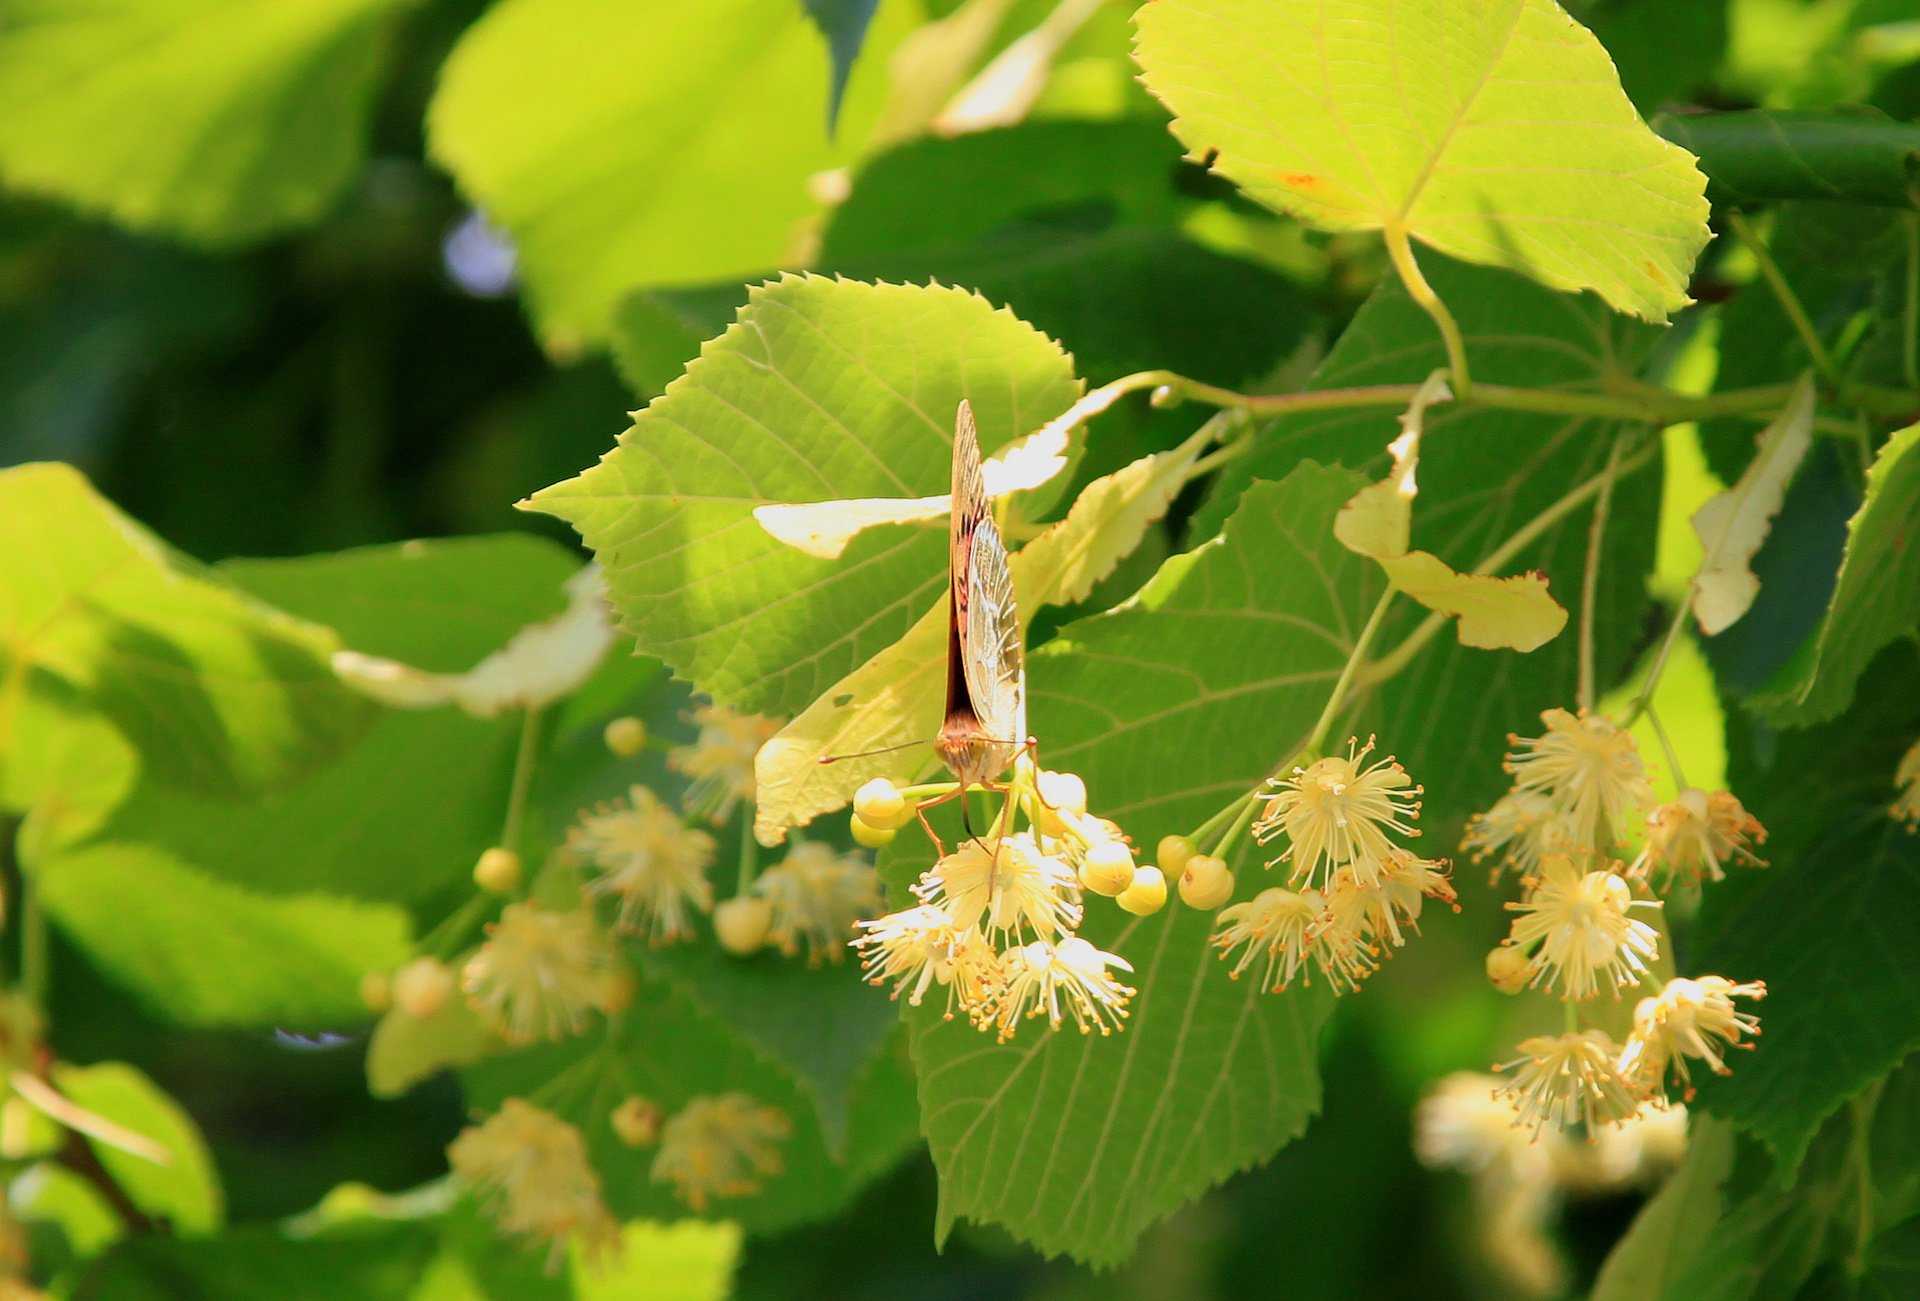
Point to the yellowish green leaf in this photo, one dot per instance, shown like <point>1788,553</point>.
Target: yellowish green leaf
<point>1378,521</point>
<point>1514,613</point>
<point>1732,525</point>
<point>1493,130</point>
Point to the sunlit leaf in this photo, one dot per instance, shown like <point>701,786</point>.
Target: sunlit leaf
<point>185,1189</point>
<point>220,693</point>
<point>405,1049</point>
<point>621,149</point>
<point>195,117</point>
<point>1378,521</point>
<point>823,389</point>
<point>1494,130</point>
<point>1732,525</point>
<point>1494,613</point>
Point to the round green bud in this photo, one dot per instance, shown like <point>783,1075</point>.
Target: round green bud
<point>881,806</point>
<point>498,871</point>
<point>1147,894</point>
<point>1107,867</point>
<point>741,923</point>
<point>869,836</point>
<point>626,737</point>
<point>1206,882</point>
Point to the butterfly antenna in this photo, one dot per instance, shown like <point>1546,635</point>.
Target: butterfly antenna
<point>867,754</point>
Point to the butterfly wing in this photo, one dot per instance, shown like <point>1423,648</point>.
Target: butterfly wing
<point>994,664</point>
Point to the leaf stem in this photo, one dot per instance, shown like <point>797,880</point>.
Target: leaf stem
<point>1400,656</point>
<point>1242,820</point>
<point>1590,583</point>
<point>1644,699</point>
<point>1318,736</point>
<point>524,759</point>
<point>1666,746</point>
<point>749,852</point>
<point>1401,251</point>
<point>1784,295</point>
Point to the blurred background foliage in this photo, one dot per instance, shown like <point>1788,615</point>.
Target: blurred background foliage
<point>341,349</point>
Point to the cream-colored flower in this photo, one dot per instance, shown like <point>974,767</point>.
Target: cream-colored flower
<point>1590,770</point>
<point>1579,930</point>
<point>1274,923</point>
<point>917,948</point>
<point>1068,978</point>
<point>1906,806</point>
<point>1520,828</point>
<point>1342,940</point>
<point>540,972</point>
<point>1638,1150</point>
<point>530,1170</point>
<point>1405,883</point>
<point>721,1146</point>
<point>1007,886</point>
<point>1563,1078</point>
<point>1336,812</point>
<point>720,760</point>
<point>1689,1018</point>
<point>817,893</point>
<point>1465,1122</point>
<point>648,859</point>
<point>1695,837</point>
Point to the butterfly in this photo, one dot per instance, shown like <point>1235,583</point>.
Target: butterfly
<point>985,724</point>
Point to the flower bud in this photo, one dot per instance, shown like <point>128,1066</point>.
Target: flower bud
<point>636,1121</point>
<point>376,991</point>
<point>742,922</point>
<point>1063,790</point>
<point>1206,883</point>
<point>881,806</point>
<point>1174,852</point>
<point>1147,894</point>
<point>870,836</point>
<point>626,737</point>
<point>422,987</point>
<point>498,871</point>
<point>1107,867</point>
<point>1507,967</point>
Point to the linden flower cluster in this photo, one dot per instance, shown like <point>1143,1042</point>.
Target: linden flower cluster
<point>531,1172</point>
<point>1519,1181</point>
<point>721,1146</point>
<point>1582,925</point>
<point>1352,895</point>
<point>997,919</point>
<point>720,760</point>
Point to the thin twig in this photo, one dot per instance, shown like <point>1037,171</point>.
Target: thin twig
<point>1590,584</point>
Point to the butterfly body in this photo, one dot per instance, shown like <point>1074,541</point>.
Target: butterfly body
<point>985,722</point>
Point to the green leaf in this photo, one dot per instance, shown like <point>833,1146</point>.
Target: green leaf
<point>1877,598</point>
<point>1668,1233</point>
<point>1168,707</point>
<point>186,1190</point>
<point>688,1261</point>
<point>844,24</point>
<point>621,150</point>
<point>405,1049</point>
<point>1893,1264</point>
<point>706,1058</point>
<point>195,118</point>
<point>1765,155</point>
<point>823,389</point>
<point>1832,932</point>
<point>405,812</point>
<point>1663,51</point>
<point>1495,131</point>
<point>374,1262</point>
<point>1483,474</point>
<point>199,951</point>
<point>221,695</point>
